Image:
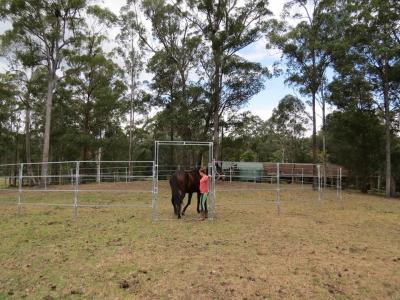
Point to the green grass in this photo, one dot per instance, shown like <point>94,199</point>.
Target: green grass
<point>323,250</point>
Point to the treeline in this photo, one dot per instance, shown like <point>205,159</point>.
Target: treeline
<point>73,91</point>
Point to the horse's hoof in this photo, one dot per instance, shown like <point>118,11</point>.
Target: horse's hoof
<point>198,211</point>
<point>179,217</point>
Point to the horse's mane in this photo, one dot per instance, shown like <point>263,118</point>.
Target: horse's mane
<point>196,169</point>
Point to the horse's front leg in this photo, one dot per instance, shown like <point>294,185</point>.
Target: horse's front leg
<point>188,203</point>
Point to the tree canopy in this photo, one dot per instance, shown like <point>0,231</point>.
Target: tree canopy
<point>84,83</point>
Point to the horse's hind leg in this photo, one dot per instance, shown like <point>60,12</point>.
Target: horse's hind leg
<point>178,210</point>
<point>173,204</point>
<point>179,206</point>
<point>188,203</point>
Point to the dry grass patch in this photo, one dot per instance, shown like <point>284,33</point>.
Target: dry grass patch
<point>314,249</point>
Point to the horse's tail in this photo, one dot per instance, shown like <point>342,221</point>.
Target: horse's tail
<point>176,193</point>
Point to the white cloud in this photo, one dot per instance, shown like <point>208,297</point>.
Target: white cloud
<point>276,7</point>
<point>114,5</point>
<point>255,52</point>
<point>263,113</point>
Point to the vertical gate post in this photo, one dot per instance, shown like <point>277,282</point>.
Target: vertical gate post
<point>154,192</point>
<point>278,190</point>
<point>213,189</point>
<point>20,176</point>
<point>76,192</point>
<point>337,184</point>
<point>155,183</point>
<point>319,182</point>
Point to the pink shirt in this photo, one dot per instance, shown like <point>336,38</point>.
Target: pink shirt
<point>204,184</point>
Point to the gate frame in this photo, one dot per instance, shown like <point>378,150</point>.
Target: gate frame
<point>211,170</point>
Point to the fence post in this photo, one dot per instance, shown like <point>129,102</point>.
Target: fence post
<point>154,192</point>
<point>337,183</point>
<point>76,193</point>
<point>213,189</point>
<point>319,182</point>
<point>230,173</point>
<point>20,176</point>
<point>278,190</point>
<point>302,178</point>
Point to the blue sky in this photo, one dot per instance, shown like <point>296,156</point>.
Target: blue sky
<point>264,102</point>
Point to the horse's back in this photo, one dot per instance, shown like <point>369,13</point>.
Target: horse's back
<point>178,180</point>
<point>185,181</point>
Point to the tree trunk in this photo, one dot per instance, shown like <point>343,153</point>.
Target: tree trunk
<point>386,101</point>
<point>171,136</point>
<point>46,143</point>
<point>314,140</point>
<point>132,113</point>
<point>393,187</point>
<point>323,139</point>
<point>131,120</point>
<point>28,145</point>
<point>98,164</point>
<point>86,130</point>
<point>216,102</point>
<point>16,166</point>
<point>184,105</point>
<point>222,140</point>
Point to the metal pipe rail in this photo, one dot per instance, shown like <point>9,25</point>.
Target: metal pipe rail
<point>72,171</point>
<point>81,177</point>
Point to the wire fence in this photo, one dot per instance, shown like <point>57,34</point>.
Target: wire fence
<point>277,182</point>
<point>77,183</point>
<point>135,183</point>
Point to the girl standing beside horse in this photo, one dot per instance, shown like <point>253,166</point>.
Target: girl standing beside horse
<point>203,193</point>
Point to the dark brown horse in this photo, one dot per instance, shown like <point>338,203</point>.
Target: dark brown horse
<point>187,182</point>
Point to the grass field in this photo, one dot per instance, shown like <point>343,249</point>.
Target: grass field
<point>327,249</point>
